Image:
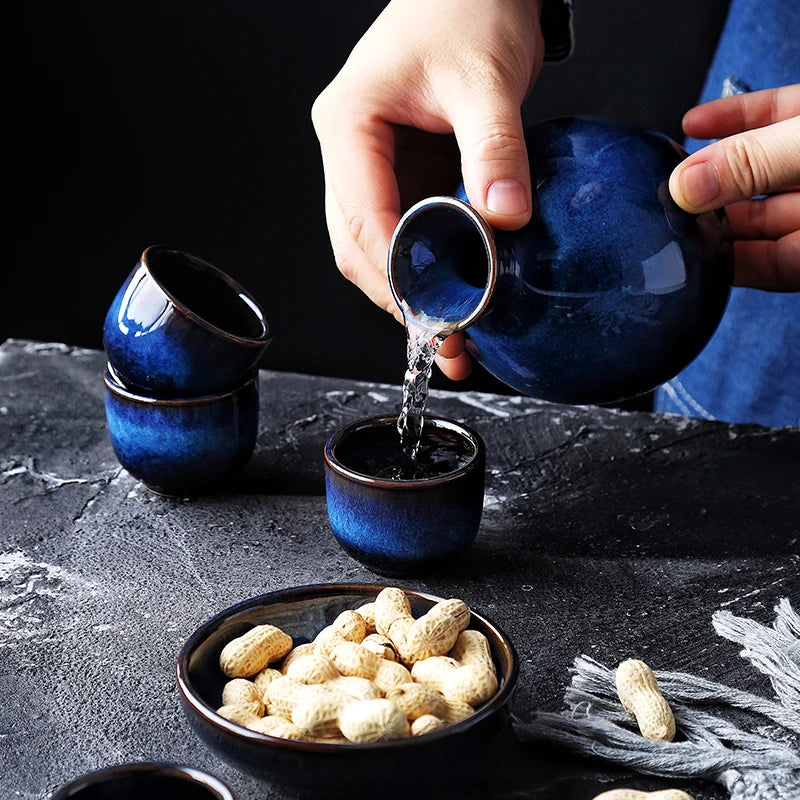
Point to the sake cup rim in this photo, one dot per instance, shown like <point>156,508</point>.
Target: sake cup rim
<point>193,775</point>
<point>117,387</point>
<point>246,297</point>
<point>464,431</point>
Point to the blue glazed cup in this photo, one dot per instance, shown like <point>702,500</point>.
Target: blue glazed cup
<point>403,526</point>
<point>182,446</point>
<point>610,289</point>
<point>146,779</point>
<point>180,327</point>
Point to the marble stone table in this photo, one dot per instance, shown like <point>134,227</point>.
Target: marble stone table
<point>615,534</point>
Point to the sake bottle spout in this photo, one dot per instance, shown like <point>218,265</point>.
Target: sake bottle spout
<point>442,264</point>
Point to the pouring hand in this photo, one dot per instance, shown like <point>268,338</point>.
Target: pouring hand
<point>423,69</point>
<point>758,153</point>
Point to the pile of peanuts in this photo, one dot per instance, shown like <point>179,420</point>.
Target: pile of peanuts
<point>374,674</point>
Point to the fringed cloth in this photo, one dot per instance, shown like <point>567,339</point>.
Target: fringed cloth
<point>747,743</point>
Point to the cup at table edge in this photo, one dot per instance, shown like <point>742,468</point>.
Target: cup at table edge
<point>128,781</point>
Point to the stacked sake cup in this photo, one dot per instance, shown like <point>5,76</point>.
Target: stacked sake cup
<point>183,341</point>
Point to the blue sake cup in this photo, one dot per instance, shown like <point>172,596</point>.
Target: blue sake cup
<point>182,446</point>
<point>180,327</point>
<point>403,526</point>
<point>145,779</point>
<point>610,289</point>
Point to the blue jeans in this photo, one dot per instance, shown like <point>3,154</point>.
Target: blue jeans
<point>750,370</point>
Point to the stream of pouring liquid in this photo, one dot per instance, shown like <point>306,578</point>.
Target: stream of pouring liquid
<point>423,342</point>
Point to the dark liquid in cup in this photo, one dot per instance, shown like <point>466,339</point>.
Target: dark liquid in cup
<point>376,451</point>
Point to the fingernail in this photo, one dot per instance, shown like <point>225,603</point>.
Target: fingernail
<point>700,184</point>
<point>507,197</point>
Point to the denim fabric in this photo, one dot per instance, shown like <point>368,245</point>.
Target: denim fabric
<point>750,370</point>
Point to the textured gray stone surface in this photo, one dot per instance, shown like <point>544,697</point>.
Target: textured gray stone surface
<point>609,533</point>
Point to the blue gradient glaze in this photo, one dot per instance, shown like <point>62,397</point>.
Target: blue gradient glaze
<point>182,446</point>
<point>179,327</point>
<point>608,291</point>
<point>439,266</point>
<point>404,527</point>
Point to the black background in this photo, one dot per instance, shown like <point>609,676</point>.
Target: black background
<point>188,124</point>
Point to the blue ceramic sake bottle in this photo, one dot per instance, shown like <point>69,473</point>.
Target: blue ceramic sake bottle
<point>609,290</point>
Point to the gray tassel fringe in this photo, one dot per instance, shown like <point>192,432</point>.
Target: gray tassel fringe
<point>747,743</point>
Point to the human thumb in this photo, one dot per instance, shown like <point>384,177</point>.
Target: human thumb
<point>738,167</point>
<point>494,163</point>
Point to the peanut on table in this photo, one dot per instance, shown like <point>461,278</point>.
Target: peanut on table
<point>640,696</point>
<point>635,794</point>
<point>373,674</point>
